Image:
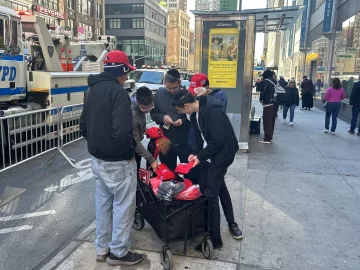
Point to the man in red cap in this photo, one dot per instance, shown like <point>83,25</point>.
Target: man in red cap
<point>200,85</point>
<point>106,124</point>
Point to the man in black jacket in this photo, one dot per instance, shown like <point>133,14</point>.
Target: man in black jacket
<point>106,124</point>
<point>212,127</point>
<point>307,93</point>
<point>270,108</point>
<point>355,103</point>
<point>174,125</point>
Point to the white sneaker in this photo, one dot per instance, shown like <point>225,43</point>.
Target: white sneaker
<point>291,124</point>
<point>326,131</point>
<point>333,133</point>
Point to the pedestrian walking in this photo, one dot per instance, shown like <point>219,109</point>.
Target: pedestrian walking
<point>283,84</point>
<point>355,103</point>
<point>333,96</point>
<point>175,126</point>
<point>106,124</point>
<point>307,93</point>
<point>213,127</point>
<point>270,108</point>
<point>292,94</point>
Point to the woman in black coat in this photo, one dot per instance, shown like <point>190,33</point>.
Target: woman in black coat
<point>292,94</point>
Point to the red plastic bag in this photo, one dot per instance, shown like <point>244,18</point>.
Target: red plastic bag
<point>155,183</point>
<point>189,194</point>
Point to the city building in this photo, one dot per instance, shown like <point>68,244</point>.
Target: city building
<point>68,13</point>
<point>88,14</point>
<point>207,5</point>
<point>178,39</point>
<point>272,40</point>
<point>140,29</point>
<point>176,4</point>
<point>191,65</point>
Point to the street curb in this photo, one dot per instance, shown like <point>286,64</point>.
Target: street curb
<point>69,248</point>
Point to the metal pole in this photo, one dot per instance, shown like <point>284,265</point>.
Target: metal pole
<point>240,5</point>
<point>331,50</point>
<point>306,36</point>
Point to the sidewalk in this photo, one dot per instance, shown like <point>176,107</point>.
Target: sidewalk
<point>297,201</point>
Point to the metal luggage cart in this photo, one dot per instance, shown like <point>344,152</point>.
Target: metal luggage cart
<point>174,221</point>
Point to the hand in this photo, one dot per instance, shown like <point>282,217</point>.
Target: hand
<point>154,165</point>
<point>190,157</point>
<point>196,160</point>
<point>178,123</point>
<point>168,120</point>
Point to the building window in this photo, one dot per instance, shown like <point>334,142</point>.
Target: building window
<point>153,27</point>
<point>124,9</point>
<point>71,4</point>
<point>113,23</point>
<point>138,23</point>
<point>98,14</point>
<point>52,4</point>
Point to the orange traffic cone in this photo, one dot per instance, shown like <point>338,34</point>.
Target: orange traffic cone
<point>63,60</point>
<point>70,66</point>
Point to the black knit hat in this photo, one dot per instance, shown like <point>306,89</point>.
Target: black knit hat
<point>268,74</point>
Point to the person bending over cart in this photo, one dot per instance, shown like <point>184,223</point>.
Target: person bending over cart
<point>142,103</point>
<point>212,126</point>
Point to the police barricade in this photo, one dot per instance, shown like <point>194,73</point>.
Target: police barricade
<point>25,136</point>
<point>69,129</point>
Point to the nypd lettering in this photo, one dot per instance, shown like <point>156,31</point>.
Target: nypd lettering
<point>7,73</point>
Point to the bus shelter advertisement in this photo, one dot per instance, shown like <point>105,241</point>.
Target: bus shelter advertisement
<point>223,57</point>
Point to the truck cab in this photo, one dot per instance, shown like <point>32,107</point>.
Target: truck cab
<point>12,63</point>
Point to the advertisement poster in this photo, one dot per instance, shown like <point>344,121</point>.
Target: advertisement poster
<point>223,54</point>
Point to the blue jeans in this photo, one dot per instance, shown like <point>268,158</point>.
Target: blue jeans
<point>292,108</point>
<point>332,109</point>
<point>355,114</point>
<point>115,205</point>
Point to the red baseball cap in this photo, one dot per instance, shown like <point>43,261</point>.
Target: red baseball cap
<point>184,168</point>
<point>155,132</point>
<point>116,57</point>
<point>164,173</point>
<point>198,80</point>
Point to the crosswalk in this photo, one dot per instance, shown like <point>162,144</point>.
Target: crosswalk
<point>22,216</point>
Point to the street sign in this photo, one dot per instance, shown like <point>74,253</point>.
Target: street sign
<point>328,16</point>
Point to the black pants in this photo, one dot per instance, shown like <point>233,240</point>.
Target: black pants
<point>216,184</point>
<point>269,118</point>
<point>170,159</point>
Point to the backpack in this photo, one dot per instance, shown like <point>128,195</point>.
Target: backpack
<point>280,96</point>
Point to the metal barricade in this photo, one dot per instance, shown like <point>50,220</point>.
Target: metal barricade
<point>69,129</point>
<point>25,136</point>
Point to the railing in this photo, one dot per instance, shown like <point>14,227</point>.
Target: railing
<point>69,129</point>
<point>25,136</point>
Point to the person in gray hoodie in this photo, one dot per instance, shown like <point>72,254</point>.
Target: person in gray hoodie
<point>142,103</point>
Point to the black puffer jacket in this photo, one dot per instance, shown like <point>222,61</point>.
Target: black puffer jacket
<point>292,95</point>
<point>218,132</point>
<point>355,95</point>
<point>106,120</point>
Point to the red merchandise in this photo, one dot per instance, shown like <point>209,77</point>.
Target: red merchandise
<point>164,172</point>
<point>198,80</point>
<point>184,168</point>
<point>189,194</point>
<point>155,183</point>
<point>144,175</point>
<point>154,133</point>
<point>187,183</point>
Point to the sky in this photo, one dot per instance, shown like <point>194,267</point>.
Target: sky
<point>246,4</point>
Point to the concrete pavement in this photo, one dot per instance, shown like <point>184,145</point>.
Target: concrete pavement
<point>296,200</point>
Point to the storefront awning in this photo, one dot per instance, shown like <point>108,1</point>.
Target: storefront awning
<point>267,19</point>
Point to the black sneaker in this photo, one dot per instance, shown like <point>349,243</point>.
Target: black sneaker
<point>235,231</point>
<point>217,244</point>
<point>129,259</point>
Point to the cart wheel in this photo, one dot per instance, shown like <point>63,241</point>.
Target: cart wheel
<point>207,248</point>
<point>167,259</point>
<point>139,222</point>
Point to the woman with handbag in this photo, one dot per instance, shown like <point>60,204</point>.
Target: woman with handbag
<point>333,97</point>
<point>292,94</point>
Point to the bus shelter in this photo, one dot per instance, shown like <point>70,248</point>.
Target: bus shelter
<point>224,50</point>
